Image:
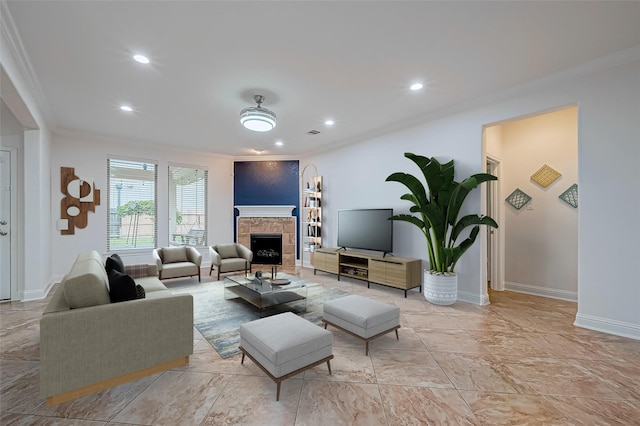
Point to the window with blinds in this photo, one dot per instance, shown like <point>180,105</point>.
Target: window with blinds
<point>187,206</point>
<point>131,196</point>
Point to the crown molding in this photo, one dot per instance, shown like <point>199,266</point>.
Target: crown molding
<point>10,34</point>
<point>619,58</point>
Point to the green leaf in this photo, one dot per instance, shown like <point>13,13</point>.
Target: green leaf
<point>471,220</point>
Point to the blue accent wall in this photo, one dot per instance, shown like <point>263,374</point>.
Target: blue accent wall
<point>267,183</point>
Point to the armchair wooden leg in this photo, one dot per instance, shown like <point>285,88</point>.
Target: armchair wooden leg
<point>199,280</point>
<point>218,274</point>
<point>211,270</point>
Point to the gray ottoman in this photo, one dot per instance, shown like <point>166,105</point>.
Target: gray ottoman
<point>363,318</point>
<point>284,345</point>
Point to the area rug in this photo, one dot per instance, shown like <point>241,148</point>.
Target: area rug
<point>219,319</point>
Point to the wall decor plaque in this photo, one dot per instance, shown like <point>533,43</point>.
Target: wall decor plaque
<point>518,199</point>
<point>570,196</point>
<point>545,176</point>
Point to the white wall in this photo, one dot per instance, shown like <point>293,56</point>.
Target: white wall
<point>541,239</point>
<point>609,229</point>
<point>88,155</point>
<point>34,240</point>
<point>608,100</point>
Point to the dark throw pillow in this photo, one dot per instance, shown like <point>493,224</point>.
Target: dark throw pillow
<point>114,262</point>
<point>122,287</point>
<point>140,291</point>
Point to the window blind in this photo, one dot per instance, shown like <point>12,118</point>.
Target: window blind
<point>131,196</point>
<point>187,206</point>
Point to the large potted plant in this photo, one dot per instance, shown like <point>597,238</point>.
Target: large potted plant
<point>436,214</point>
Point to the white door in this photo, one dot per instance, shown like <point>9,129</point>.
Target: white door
<point>5,225</point>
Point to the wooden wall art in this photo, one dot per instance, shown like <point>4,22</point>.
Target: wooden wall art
<point>81,197</point>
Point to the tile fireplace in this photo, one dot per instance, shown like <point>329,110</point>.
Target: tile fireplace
<point>269,220</point>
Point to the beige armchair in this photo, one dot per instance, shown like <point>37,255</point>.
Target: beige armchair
<point>175,262</point>
<point>230,258</point>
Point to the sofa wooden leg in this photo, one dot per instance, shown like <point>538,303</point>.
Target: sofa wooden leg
<point>218,274</point>
<point>199,280</point>
<point>211,270</point>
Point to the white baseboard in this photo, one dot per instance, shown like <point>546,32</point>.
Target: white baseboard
<point>29,295</point>
<point>571,296</point>
<point>618,328</point>
<point>474,298</point>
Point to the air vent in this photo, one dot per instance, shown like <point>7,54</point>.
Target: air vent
<point>313,132</point>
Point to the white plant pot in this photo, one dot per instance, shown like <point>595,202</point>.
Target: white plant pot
<point>440,289</point>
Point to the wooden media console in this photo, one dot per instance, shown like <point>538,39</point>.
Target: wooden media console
<point>398,272</point>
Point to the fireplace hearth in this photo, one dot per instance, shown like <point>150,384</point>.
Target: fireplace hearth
<point>266,248</point>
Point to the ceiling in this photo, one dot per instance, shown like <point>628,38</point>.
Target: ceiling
<point>348,61</point>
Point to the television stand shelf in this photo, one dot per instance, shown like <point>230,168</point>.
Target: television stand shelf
<point>397,272</point>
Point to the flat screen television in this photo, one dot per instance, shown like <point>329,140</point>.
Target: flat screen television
<point>367,229</point>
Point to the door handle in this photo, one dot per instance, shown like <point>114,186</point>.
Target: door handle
<point>2,233</point>
<point>3,222</point>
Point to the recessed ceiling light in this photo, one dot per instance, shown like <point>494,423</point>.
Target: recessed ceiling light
<point>279,143</point>
<point>126,108</point>
<point>258,151</point>
<point>416,86</point>
<point>329,123</point>
<point>141,58</point>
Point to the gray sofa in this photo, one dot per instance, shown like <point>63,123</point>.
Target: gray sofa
<point>88,344</point>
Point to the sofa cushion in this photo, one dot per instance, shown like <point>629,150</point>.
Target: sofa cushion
<point>227,250</point>
<point>114,262</point>
<point>174,254</point>
<point>150,284</point>
<point>233,264</point>
<point>123,287</point>
<point>86,285</point>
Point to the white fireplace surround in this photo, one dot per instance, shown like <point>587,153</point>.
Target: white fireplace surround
<point>265,211</point>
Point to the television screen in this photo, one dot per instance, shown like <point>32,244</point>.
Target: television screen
<point>367,229</point>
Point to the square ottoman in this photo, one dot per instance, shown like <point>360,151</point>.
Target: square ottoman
<point>361,317</point>
<point>284,345</point>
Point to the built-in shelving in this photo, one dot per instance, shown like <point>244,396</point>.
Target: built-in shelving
<point>311,213</point>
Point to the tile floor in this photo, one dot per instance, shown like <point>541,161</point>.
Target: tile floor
<point>517,361</point>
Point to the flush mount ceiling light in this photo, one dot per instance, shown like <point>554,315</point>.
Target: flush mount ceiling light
<point>257,118</point>
<point>141,59</point>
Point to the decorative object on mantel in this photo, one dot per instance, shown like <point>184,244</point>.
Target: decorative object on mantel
<point>545,176</point>
<point>570,196</point>
<point>518,199</point>
<point>81,197</point>
<point>257,118</point>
